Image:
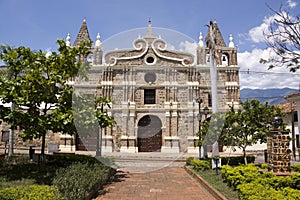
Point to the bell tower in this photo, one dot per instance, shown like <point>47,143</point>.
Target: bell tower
<point>226,61</point>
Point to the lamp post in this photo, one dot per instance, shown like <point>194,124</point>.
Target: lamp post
<point>205,112</point>
<point>99,137</point>
<point>199,101</point>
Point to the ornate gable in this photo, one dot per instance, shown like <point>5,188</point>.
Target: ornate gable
<point>150,50</point>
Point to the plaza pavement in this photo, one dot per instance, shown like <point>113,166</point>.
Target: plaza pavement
<point>163,184</point>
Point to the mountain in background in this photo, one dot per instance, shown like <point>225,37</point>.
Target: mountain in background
<point>273,95</point>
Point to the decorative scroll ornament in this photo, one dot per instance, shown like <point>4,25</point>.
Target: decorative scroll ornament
<point>140,48</point>
<point>159,46</point>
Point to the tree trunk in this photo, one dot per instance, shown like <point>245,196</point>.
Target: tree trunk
<point>43,144</point>
<point>244,154</point>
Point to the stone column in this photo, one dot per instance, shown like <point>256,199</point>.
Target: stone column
<point>278,151</point>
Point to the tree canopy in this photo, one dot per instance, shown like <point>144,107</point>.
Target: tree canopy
<point>283,37</point>
<point>248,125</point>
<point>36,83</point>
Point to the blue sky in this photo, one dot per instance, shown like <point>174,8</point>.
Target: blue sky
<point>37,24</point>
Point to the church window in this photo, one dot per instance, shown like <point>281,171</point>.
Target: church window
<point>149,96</point>
<point>150,59</point>
<point>224,60</point>
<point>150,78</point>
<point>209,100</point>
<point>90,58</point>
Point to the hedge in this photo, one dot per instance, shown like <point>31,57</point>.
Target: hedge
<point>201,165</point>
<point>32,192</point>
<point>232,161</point>
<point>296,168</point>
<point>78,180</point>
<point>251,184</point>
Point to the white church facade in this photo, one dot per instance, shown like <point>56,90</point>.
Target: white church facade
<point>157,94</point>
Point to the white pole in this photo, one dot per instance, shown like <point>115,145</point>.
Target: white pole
<point>214,96</point>
<point>214,83</point>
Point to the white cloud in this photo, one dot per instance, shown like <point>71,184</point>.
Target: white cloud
<point>259,76</point>
<point>187,46</point>
<point>170,46</point>
<point>256,34</point>
<point>291,3</point>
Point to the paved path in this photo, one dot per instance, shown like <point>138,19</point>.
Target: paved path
<point>169,183</point>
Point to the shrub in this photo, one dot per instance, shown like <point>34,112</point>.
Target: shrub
<point>238,175</point>
<point>62,160</point>
<point>189,160</point>
<point>250,184</point>
<point>258,192</point>
<point>296,168</point>
<point>78,180</point>
<point>261,192</point>
<point>236,160</point>
<point>201,165</point>
<point>290,193</point>
<point>293,181</point>
<point>264,166</point>
<point>33,192</point>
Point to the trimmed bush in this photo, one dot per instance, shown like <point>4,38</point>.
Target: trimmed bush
<point>250,184</point>
<point>236,160</point>
<point>291,193</point>
<point>296,168</point>
<point>257,191</point>
<point>232,161</point>
<point>241,174</point>
<point>62,160</point>
<point>201,165</point>
<point>264,166</point>
<point>189,160</point>
<point>78,180</point>
<point>262,192</point>
<point>32,192</point>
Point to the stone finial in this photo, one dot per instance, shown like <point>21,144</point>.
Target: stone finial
<point>200,40</point>
<point>83,35</point>
<point>98,42</point>
<point>231,44</point>
<point>68,39</point>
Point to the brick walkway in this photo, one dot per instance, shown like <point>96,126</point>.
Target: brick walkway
<point>172,183</point>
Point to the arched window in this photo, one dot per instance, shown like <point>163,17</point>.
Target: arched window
<point>225,60</point>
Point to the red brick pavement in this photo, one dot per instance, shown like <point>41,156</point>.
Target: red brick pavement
<point>172,183</point>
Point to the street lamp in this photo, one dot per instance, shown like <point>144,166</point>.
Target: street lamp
<point>205,112</point>
<point>99,137</point>
<point>199,101</point>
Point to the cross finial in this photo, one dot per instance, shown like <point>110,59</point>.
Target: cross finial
<point>149,27</point>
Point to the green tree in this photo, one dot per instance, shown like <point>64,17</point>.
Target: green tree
<point>36,83</point>
<point>283,37</point>
<point>248,125</point>
<point>211,129</point>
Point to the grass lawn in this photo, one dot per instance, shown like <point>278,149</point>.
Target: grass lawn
<point>216,182</point>
<point>19,171</point>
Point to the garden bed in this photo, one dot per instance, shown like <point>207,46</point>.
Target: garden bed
<point>53,177</point>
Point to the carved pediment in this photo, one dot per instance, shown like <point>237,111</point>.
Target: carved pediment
<point>146,47</point>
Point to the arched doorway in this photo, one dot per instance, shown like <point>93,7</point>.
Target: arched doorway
<point>149,134</point>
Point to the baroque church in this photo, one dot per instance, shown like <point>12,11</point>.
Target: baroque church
<point>160,97</point>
